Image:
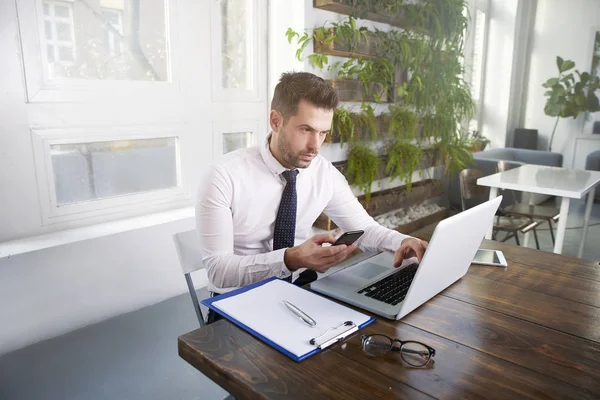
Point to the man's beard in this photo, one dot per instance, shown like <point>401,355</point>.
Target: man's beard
<point>289,157</point>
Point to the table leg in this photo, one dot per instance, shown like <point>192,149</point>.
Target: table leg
<point>586,219</point>
<point>530,199</point>
<point>493,195</point>
<point>562,225</point>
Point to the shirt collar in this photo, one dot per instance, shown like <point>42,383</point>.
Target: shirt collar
<point>271,162</point>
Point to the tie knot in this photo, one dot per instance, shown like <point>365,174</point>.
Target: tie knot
<point>290,175</point>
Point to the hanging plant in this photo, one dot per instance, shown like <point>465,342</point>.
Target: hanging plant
<point>362,168</point>
<point>342,125</point>
<point>403,159</point>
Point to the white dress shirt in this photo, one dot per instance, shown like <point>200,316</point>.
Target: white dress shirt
<point>237,206</point>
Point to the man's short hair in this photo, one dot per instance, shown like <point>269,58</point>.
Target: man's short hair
<point>296,86</point>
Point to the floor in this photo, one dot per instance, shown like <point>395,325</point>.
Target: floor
<point>134,356</point>
<point>131,356</point>
<point>574,233</point>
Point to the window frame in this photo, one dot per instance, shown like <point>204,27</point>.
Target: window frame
<point>42,88</point>
<point>222,128</point>
<point>221,94</point>
<point>469,49</point>
<point>52,213</point>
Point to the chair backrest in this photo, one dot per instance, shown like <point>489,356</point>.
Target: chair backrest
<point>188,249</point>
<point>469,188</point>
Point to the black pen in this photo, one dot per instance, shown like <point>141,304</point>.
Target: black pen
<point>303,316</point>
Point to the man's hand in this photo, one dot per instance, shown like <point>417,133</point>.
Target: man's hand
<point>410,247</point>
<point>312,255</point>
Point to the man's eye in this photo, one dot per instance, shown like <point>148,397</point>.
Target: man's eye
<point>324,133</point>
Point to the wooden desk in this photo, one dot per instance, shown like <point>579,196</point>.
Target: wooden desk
<point>529,331</point>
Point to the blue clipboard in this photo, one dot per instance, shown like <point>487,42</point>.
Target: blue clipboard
<point>318,347</point>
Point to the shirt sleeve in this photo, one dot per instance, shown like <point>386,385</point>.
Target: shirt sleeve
<point>214,223</point>
<point>346,211</point>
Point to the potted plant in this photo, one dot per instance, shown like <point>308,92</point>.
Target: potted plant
<point>476,141</point>
<point>570,94</point>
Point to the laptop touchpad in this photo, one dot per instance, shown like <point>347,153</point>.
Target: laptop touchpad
<point>368,270</point>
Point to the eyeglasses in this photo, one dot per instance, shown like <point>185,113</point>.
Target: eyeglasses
<point>415,354</point>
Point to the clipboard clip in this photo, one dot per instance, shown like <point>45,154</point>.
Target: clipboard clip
<point>337,338</point>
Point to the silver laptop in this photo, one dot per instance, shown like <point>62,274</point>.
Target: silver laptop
<point>375,285</point>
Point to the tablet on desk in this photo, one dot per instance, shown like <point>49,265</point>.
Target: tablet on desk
<point>490,257</point>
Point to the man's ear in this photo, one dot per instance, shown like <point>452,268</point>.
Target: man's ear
<point>275,120</point>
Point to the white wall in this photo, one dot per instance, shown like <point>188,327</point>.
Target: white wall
<point>562,28</point>
<point>59,288</point>
<point>49,292</point>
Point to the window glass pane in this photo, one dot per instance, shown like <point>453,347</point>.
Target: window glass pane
<point>90,171</point>
<point>61,11</point>
<point>236,44</point>
<point>478,48</point>
<point>50,50</point>
<point>65,54</point>
<point>128,41</point>
<point>48,30</point>
<point>236,140</point>
<point>63,32</point>
<point>46,9</point>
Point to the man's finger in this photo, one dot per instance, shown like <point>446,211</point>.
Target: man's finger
<point>323,238</point>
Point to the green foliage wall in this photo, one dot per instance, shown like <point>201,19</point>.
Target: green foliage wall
<point>419,66</point>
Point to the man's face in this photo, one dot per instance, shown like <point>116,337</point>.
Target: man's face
<point>297,141</point>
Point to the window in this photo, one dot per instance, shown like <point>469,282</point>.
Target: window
<point>114,42</point>
<point>59,34</point>
<point>236,50</point>
<point>236,44</point>
<point>106,50</point>
<point>475,54</point>
<point>127,124</point>
<point>97,170</point>
<point>236,140</point>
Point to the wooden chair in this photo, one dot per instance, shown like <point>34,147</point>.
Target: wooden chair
<point>471,193</point>
<point>535,212</point>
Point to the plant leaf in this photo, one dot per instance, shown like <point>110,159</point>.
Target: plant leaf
<point>559,63</point>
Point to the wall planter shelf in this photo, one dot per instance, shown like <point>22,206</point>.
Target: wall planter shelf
<point>430,159</point>
<point>354,90</point>
<point>422,222</point>
<point>393,199</point>
<point>339,6</point>
<point>365,49</point>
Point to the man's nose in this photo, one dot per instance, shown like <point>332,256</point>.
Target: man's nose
<point>314,141</point>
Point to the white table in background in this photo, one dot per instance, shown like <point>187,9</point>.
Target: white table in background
<point>553,181</point>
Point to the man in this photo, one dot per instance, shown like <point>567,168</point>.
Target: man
<point>256,209</point>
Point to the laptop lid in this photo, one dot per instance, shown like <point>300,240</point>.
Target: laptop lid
<point>449,254</point>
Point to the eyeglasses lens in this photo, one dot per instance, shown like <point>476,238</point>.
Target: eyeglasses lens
<point>415,354</point>
<point>376,345</point>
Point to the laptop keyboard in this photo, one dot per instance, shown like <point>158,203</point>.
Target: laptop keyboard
<point>393,288</point>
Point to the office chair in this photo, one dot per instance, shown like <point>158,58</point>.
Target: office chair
<point>190,257</point>
<point>471,192</point>
<point>535,212</point>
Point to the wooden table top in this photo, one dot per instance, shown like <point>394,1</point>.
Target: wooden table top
<point>529,331</point>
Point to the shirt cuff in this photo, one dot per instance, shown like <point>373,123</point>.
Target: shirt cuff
<point>278,267</point>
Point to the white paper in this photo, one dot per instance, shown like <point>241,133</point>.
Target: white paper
<point>262,309</point>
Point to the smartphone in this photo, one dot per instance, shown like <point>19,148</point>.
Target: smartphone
<point>490,257</point>
<point>348,238</point>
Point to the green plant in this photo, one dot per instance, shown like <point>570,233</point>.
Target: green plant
<point>342,125</point>
<point>455,153</point>
<point>402,160</point>
<point>569,95</point>
<point>362,168</point>
<point>403,122</point>
<point>420,68</point>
